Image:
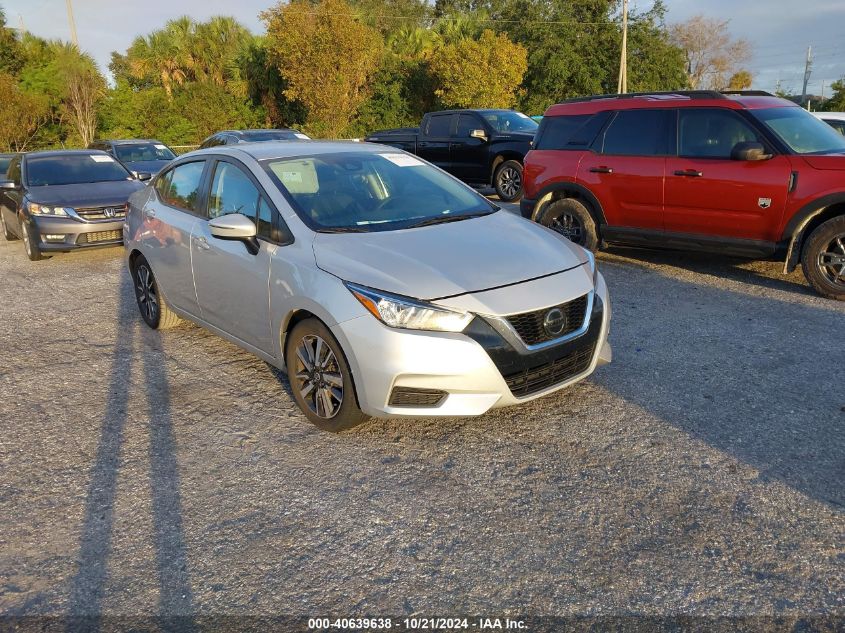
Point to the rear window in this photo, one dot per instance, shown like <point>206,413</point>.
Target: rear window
<point>141,152</point>
<point>73,169</point>
<point>569,132</point>
<point>272,135</point>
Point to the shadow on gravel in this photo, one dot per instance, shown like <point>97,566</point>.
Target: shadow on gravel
<point>718,266</point>
<point>749,375</point>
<point>88,586</point>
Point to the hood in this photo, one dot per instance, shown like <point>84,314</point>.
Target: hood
<point>149,166</point>
<point>87,194</point>
<point>522,137</point>
<point>826,161</point>
<point>446,260</point>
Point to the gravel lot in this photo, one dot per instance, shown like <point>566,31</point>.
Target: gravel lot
<point>702,473</point>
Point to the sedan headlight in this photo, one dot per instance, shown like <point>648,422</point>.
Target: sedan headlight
<point>402,312</point>
<point>591,263</point>
<point>39,209</point>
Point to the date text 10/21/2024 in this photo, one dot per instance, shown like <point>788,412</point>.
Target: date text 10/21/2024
<point>417,624</point>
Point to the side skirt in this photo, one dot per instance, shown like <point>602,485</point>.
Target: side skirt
<point>752,249</point>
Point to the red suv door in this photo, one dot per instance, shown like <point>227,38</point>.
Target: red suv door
<point>627,167</point>
<point>707,193</point>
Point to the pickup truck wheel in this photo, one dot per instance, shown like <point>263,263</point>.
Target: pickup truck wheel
<point>571,219</point>
<point>508,181</point>
<point>823,259</point>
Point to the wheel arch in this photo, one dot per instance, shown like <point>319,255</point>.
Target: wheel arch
<point>501,157</point>
<point>805,221</point>
<point>561,190</point>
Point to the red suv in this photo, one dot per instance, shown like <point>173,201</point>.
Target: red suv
<point>742,173</point>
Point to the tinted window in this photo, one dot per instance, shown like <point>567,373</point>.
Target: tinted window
<point>265,219</point>
<point>506,121</point>
<point>712,132</point>
<point>638,133</point>
<point>555,132</point>
<point>72,169</point>
<point>212,141</point>
<point>232,192</point>
<point>139,152</point>
<point>180,186</point>
<point>836,124</point>
<point>14,173</point>
<point>271,135</point>
<point>365,191</point>
<point>801,131</point>
<point>439,126</point>
<point>4,164</point>
<point>466,124</point>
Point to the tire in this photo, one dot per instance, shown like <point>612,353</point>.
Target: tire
<point>30,247</point>
<point>151,304</point>
<point>570,218</point>
<point>10,237</point>
<point>823,259</point>
<point>507,179</point>
<point>329,401</point>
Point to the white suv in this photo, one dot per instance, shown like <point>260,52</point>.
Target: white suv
<point>385,286</point>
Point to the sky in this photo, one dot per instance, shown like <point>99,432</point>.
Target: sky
<point>779,30</point>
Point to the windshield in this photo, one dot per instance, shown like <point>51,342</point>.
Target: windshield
<point>141,152</point>
<point>272,135</point>
<point>505,121</point>
<point>801,131</point>
<point>72,169</point>
<point>363,191</point>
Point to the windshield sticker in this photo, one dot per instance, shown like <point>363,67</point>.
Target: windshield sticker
<point>97,158</point>
<point>403,160</point>
<point>302,136</point>
<point>162,147</point>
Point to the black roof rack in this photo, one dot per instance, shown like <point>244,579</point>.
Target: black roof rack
<point>691,94</point>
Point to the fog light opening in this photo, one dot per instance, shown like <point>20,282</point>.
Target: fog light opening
<point>54,237</point>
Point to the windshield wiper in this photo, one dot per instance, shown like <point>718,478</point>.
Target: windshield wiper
<point>342,229</point>
<point>443,219</point>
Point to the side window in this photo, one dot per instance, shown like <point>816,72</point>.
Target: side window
<point>555,131</point>
<point>639,133</point>
<point>265,219</point>
<point>712,132</point>
<point>440,125</point>
<point>181,185</point>
<point>14,172</point>
<point>466,124</point>
<point>232,192</point>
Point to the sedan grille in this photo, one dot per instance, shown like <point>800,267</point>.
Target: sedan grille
<point>531,325</point>
<point>100,236</point>
<point>524,383</point>
<point>102,213</point>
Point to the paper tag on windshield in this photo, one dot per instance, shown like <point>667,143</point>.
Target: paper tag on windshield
<point>403,160</point>
<point>98,158</point>
<point>302,136</point>
<point>160,146</point>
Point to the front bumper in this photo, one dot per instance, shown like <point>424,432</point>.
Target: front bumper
<point>67,234</point>
<point>476,370</point>
<point>526,207</point>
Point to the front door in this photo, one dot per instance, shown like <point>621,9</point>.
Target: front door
<point>708,193</point>
<point>626,168</point>
<point>469,154</point>
<point>233,284</point>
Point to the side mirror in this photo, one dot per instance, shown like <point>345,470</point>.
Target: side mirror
<point>235,227</point>
<point>7,184</point>
<point>142,175</point>
<point>478,134</point>
<point>749,150</point>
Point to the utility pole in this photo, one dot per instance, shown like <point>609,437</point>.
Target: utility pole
<point>72,23</point>
<point>622,84</point>
<point>808,69</point>
<point>20,21</point>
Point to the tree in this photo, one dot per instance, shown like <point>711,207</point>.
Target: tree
<point>21,116</point>
<point>479,73</point>
<point>84,89</point>
<point>836,103</point>
<point>740,80</point>
<point>11,58</point>
<point>326,56</point>
<point>712,56</point>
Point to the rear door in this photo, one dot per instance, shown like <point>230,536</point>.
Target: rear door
<point>435,138</point>
<point>10,199</point>
<point>168,218</point>
<point>707,193</point>
<point>626,168</point>
<point>467,154</point>
<point>233,284</point>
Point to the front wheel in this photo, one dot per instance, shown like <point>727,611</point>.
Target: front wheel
<point>320,377</point>
<point>508,181</point>
<point>30,246</point>
<point>823,259</point>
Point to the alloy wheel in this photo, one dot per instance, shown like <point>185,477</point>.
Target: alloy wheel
<point>831,260</point>
<point>145,291</point>
<point>318,377</point>
<point>510,181</point>
<point>27,246</point>
<point>569,226</point>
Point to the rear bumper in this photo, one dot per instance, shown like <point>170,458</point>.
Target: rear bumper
<point>67,234</point>
<point>526,207</point>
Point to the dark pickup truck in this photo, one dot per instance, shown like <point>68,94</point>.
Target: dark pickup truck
<point>481,147</point>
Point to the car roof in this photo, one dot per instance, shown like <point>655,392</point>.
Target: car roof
<point>290,149</point>
<point>121,141</point>
<point>837,116</point>
<point>64,152</point>
<point>255,131</point>
<point>740,100</point>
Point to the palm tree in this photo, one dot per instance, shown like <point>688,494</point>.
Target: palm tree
<point>159,56</point>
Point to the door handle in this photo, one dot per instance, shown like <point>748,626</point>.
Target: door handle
<point>149,213</point>
<point>691,173</point>
<point>601,170</point>
<point>201,243</point>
